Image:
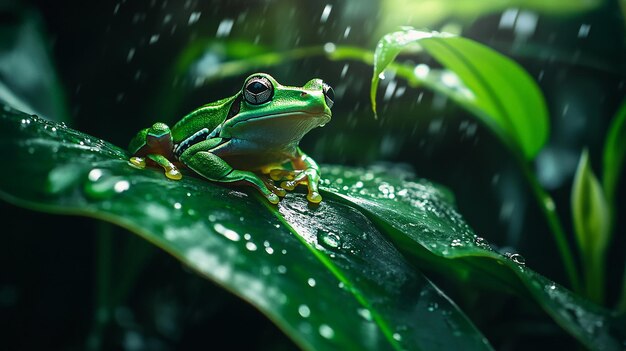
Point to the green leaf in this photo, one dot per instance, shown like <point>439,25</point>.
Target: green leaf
<point>435,12</point>
<point>489,85</point>
<point>614,152</point>
<point>422,221</point>
<point>613,163</point>
<point>325,275</point>
<point>591,217</point>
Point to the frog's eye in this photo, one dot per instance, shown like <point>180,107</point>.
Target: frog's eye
<point>258,90</point>
<point>329,95</point>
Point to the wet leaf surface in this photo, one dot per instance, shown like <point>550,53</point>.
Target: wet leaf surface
<point>421,219</point>
<point>325,275</point>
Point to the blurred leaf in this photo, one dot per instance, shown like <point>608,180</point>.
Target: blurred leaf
<point>422,221</point>
<point>489,85</point>
<point>325,275</point>
<point>590,214</point>
<point>426,13</point>
<point>614,152</point>
<point>28,79</point>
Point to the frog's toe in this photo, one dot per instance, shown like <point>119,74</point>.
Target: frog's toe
<point>288,185</point>
<point>137,162</point>
<point>282,174</point>
<point>314,197</point>
<point>279,191</point>
<point>272,198</point>
<point>173,174</point>
<point>273,188</point>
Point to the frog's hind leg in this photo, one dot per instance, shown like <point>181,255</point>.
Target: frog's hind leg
<point>214,168</point>
<point>157,148</point>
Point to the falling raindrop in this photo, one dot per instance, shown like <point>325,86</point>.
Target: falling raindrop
<point>432,306</point>
<point>327,9</point>
<point>194,17</point>
<point>583,31</point>
<point>224,28</point>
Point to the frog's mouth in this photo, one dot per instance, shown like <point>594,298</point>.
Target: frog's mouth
<point>280,128</point>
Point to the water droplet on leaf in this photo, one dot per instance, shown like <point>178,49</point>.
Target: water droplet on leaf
<point>328,239</point>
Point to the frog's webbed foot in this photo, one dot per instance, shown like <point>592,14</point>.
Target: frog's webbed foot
<point>290,179</point>
<point>272,187</point>
<point>137,162</point>
<point>171,171</point>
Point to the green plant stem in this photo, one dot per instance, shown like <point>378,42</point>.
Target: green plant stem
<point>103,267</point>
<point>594,275</point>
<point>546,203</point>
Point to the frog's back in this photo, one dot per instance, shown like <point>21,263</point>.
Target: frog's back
<point>208,116</point>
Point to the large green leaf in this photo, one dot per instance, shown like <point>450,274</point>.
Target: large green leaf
<point>614,153</point>
<point>325,274</point>
<point>590,214</point>
<point>491,86</point>
<point>422,221</point>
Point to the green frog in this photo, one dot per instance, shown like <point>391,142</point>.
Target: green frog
<point>250,138</point>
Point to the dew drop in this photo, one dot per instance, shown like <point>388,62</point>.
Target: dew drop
<point>304,311</point>
<point>326,331</point>
<point>456,243</point>
<point>94,174</point>
<point>517,258</point>
<point>229,233</point>
<point>121,186</point>
<point>481,242</point>
<point>365,313</point>
<point>328,239</point>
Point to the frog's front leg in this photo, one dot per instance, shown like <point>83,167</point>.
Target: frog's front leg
<point>202,161</point>
<point>306,171</point>
<point>155,145</point>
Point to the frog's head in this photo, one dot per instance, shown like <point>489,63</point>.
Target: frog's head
<point>266,112</point>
